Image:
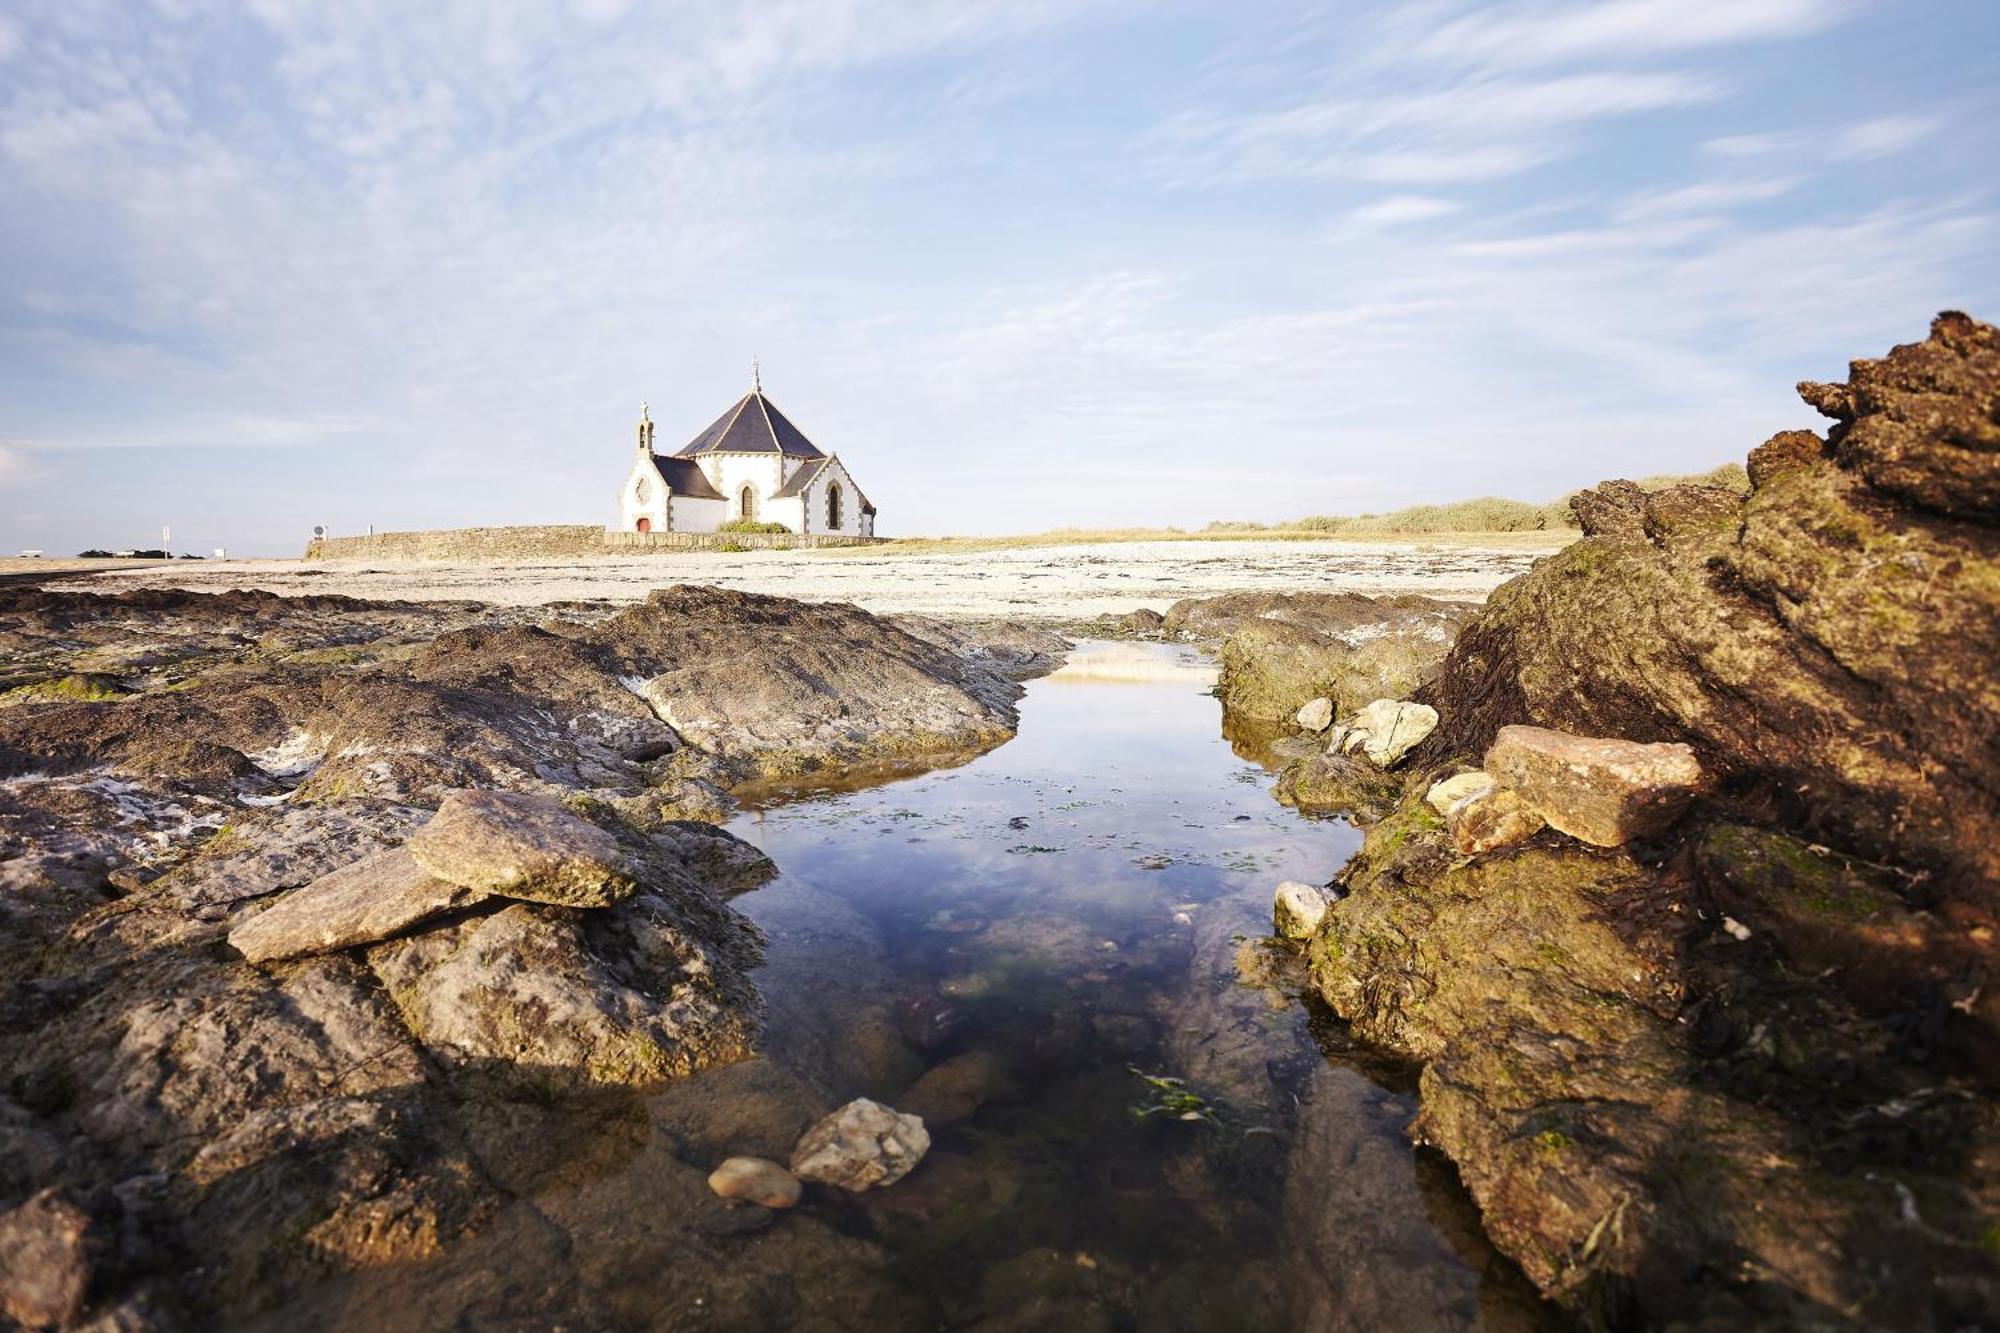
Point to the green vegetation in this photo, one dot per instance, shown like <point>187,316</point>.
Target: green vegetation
<point>752,525</point>
<point>1488,513</point>
<point>85,687</point>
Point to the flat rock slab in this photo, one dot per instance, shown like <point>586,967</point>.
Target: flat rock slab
<point>515,845</point>
<point>861,1146</point>
<point>1597,790</point>
<point>368,900</point>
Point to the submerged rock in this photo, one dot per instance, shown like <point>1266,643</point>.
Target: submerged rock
<point>1605,792</point>
<point>369,900</point>
<point>756,1180</point>
<point>863,1145</point>
<point>1281,650</point>
<point>521,846</point>
<point>1297,909</point>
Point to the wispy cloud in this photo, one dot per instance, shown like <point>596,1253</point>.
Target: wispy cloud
<point>1401,208</point>
<point>1539,32</point>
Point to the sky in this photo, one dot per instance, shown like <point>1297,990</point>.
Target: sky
<point>1022,265</point>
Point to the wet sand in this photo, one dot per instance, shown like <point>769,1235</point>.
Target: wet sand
<point>1050,583</point>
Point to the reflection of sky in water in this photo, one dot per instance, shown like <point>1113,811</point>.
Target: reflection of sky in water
<point>1066,906</point>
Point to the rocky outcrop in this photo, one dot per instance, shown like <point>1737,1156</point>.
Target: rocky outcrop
<point>1281,650</point>
<point>1734,1065</point>
<point>266,967</point>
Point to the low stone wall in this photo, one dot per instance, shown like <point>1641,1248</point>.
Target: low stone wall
<point>554,540</point>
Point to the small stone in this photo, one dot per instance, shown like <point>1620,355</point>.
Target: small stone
<point>955,1090</point>
<point>863,1145</point>
<point>1490,819</point>
<point>1598,790</point>
<point>1736,929</point>
<point>1386,730</point>
<point>1448,792</point>
<point>1316,715</point>
<point>360,903</point>
<point>1297,909</point>
<point>518,846</point>
<point>50,1249</point>
<point>756,1180</point>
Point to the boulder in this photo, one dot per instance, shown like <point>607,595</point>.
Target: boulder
<point>1385,731</point>
<point>629,995</point>
<point>863,1145</point>
<point>1491,818</point>
<point>1297,909</point>
<point>51,1250</point>
<point>522,846</point>
<point>954,1090</point>
<point>1315,714</point>
<point>1447,792</point>
<point>1598,790</point>
<point>756,1180</point>
<point>1280,650</point>
<point>1825,641</point>
<point>365,901</point>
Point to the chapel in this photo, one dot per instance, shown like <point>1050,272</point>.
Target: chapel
<point>751,465</point>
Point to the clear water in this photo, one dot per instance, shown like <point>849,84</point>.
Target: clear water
<point>1079,909</point>
<point>1001,944</point>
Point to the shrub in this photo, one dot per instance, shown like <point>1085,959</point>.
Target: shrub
<point>732,546</point>
<point>752,525</point>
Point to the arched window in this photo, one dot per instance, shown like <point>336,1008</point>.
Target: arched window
<point>747,503</point>
<point>833,506</point>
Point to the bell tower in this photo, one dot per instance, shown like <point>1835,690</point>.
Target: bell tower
<point>645,431</point>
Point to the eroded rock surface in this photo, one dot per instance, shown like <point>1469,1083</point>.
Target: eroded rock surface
<point>1738,1071</point>
<point>178,771</point>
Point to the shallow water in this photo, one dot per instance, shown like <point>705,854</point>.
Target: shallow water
<point>1001,945</point>
<point>1042,928</point>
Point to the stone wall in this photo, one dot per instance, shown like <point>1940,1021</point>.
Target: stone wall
<point>554,540</point>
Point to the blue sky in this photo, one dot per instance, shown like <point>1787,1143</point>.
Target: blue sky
<point>1021,264</point>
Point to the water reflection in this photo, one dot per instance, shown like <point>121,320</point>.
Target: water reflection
<point>1000,946</point>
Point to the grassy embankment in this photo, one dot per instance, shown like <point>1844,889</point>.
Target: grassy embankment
<point>1487,522</point>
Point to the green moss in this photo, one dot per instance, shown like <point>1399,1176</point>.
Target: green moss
<point>1551,1141</point>
<point>88,687</point>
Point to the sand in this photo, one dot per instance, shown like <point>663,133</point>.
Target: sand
<point>1047,583</point>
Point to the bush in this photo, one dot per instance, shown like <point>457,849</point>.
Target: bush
<point>752,525</point>
<point>732,546</point>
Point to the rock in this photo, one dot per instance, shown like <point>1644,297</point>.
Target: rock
<point>369,900</point>
<point>1447,792</point>
<point>1818,638</point>
<point>863,1145</point>
<point>1385,731</point>
<point>1337,784</point>
<point>521,846</point>
<point>1601,791</point>
<point>1315,715</point>
<point>1297,909</point>
<point>647,990</point>
<point>1143,621</point>
<point>953,1091</point>
<point>1490,819</point>
<point>51,1249</point>
<point>1281,650</point>
<point>756,1180</point>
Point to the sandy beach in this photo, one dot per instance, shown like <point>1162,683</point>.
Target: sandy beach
<point>1051,583</point>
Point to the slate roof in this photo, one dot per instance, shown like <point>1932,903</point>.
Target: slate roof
<point>753,425</point>
<point>685,477</point>
<point>801,479</point>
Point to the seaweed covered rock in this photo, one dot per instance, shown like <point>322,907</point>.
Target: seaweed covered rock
<point>1737,1070</point>
<point>1281,650</point>
<point>1825,644</point>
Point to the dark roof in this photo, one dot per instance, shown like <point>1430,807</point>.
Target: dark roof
<point>753,425</point>
<point>685,477</point>
<point>801,479</point>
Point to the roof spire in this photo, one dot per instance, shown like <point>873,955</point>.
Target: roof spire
<point>756,379</point>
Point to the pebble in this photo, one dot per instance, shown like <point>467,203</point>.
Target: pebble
<point>756,1180</point>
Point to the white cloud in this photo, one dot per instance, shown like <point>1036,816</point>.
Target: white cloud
<point>1881,137</point>
<point>1712,196</point>
<point>1400,208</point>
<point>1525,34</point>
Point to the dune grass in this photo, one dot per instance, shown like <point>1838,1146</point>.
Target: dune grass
<point>1485,521</point>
